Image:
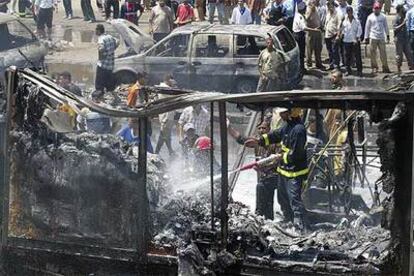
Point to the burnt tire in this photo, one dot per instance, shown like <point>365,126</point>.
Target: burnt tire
<point>246,85</point>
<point>125,77</point>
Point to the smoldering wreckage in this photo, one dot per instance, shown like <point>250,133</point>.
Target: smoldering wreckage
<point>79,189</point>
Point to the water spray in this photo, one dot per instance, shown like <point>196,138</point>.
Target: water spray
<point>248,166</point>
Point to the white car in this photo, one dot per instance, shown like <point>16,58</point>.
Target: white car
<point>205,57</point>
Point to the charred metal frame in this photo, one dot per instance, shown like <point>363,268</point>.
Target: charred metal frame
<point>212,164</point>
<point>357,100</point>
<point>224,173</point>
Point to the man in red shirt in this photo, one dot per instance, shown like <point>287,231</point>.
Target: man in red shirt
<point>185,14</point>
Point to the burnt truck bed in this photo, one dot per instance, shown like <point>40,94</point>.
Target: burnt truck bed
<point>31,257</point>
<point>27,251</point>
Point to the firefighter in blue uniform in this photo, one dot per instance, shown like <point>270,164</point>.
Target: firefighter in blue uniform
<point>293,165</point>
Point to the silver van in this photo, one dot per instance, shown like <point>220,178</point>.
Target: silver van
<point>206,57</point>
<point>18,45</point>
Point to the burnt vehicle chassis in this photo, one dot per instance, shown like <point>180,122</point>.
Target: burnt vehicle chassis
<point>395,111</point>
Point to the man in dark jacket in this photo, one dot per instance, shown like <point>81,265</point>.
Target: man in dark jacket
<point>293,165</point>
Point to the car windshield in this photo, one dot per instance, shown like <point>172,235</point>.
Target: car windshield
<point>249,45</point>
<point>286,40</point>
<point>211,45</point>
<point>13,34</point>
<point>175,46</point>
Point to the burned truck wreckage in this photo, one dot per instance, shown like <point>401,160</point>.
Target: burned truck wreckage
<point>81,203</point>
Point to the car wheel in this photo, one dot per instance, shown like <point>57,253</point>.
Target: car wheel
<point>125,77</point>
<point>246,85</point>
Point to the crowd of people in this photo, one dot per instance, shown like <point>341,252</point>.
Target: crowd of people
<point>314,23</point>
<point>342,27</point>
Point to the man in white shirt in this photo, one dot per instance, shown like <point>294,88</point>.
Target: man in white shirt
<point>332,24</point>
<point>341,10</point>
<point>351,33</point>
<point>376,29</point>
<point>44,12</point>
<point>241,15</point>
<point>161,21</point>
<point>299,32</point>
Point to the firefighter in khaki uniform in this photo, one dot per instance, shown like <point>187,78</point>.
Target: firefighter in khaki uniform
<point>333,120</point>
<point>293,164</point>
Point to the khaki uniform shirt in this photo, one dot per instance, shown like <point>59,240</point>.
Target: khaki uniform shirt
<point>269,63</point>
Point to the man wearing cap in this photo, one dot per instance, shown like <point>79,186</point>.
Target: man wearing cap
<point>267,177</point>
<point>161,21</point>
<point>293,164</point>
<point>188,141</point>
<point>376,29</point>
<point>269,62</point>
<point>198,116</point>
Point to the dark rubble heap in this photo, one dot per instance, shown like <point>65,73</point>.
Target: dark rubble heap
<point>79,187</point>
<point>348,246</point>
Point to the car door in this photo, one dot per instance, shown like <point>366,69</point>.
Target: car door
<point>169,56</point>
<point>211,62</point>
<point>19,47</point>
<point>287,44</point>
<point>247,49</point>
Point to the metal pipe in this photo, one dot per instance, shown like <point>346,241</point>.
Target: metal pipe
<point>5,189</point>
<point>242,153</point>
<point>212,163</point>
<point>224,173</point>
<point>141,198</point>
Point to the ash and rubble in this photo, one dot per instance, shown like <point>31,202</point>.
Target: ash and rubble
<point>356,244</point>
<point>81,187</point>
<point>60,180</point>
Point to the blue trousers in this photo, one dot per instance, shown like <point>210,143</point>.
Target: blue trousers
<point>294,191</point>
<point>256,18</point>
<point>363,14</point>
<point>220,12</point>
<point>333,52</point>
<point>67,4</point>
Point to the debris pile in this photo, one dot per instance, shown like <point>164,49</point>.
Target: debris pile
<point>81,186</point>
<point>355,245</point>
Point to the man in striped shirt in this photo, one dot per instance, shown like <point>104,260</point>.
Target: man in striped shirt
<point>107,45</point>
